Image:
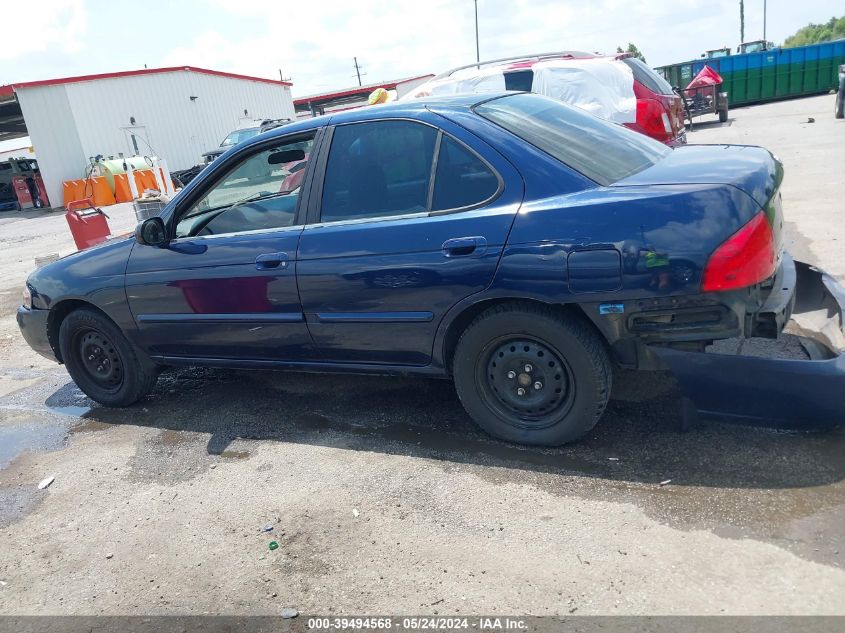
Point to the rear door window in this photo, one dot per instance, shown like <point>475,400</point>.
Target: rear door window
<point>602,151</point>
<point>378,169</point>
<point>462,179</point>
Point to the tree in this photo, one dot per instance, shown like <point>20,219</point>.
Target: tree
<point>833,29</point>
<point>632,49</point>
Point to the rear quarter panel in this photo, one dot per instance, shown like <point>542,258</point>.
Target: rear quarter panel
<point>663,235</point>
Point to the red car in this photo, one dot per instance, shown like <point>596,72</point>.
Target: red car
<point>658,111</point>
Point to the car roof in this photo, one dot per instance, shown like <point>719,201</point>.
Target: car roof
<point>519,62</point>
<point>398,109</point>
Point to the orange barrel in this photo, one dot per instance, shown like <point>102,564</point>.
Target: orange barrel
<point>73,190</point>
<point>122,192</point>
<point>69,191</point>
<point>149,179</point>
<point>139,182</point>
<point>101,193</point>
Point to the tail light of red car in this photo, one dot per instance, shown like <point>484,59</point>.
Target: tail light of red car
<point>746,258</point>
<point>653,119</point>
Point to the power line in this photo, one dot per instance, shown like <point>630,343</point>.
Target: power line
<point>358,70</point>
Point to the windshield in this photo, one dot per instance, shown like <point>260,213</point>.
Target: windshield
<point>753,47</point>
<point>600,150</point>
<point>239,136</point>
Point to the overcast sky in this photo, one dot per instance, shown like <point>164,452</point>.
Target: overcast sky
<point>313,42</point>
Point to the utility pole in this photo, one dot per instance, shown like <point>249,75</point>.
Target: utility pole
<point>764,22</point>
<point>477,53</point>
<point>357,70</point>
<point>741,21</point>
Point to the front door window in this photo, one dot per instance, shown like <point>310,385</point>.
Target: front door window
<point>260,192</point>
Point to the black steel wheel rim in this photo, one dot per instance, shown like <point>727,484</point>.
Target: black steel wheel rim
<point>99,359</point>
<point>526,381</point>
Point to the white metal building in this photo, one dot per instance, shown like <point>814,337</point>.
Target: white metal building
<point>174,113</point>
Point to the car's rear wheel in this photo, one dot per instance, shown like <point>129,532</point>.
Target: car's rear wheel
<point>102,362</point>
<point>532,375</point>
<point>723,114</point>
<point>839,108</point>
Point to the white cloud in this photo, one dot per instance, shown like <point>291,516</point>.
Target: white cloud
<point>40,25</point>
<point>314,43</point>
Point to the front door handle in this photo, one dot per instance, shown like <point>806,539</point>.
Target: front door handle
<point>268,261</point>
<point>464,247</point>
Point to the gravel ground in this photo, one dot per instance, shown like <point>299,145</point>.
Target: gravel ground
<point>383,496</point>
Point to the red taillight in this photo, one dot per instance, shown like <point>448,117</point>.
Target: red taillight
<point>746,258</point>
<point>653,119</point>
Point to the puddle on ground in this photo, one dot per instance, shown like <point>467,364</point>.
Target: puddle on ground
<point>27,428</point>
<point>30,436</point>
<point>174,438</point>
<point>72,411</point>
<point>235,454</point>
<point>87,426</point>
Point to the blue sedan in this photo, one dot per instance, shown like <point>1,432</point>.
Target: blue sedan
<point>513,244</point>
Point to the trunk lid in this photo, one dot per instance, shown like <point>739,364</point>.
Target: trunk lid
<point>748,168</point>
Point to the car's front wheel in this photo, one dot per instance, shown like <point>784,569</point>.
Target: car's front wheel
<point>102,362</point>
<point>532,375</point>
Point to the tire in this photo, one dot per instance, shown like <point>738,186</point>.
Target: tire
<point>520,346</point>
<point>723,115</point>
<point>839,109</point>
<point>102,362</point>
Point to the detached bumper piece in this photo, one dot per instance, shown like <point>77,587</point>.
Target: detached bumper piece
<point>786,393</point>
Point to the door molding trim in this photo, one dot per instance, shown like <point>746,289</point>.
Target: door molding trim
<point>259,317</point>
<point>374,317</point>
<point>307,366</point>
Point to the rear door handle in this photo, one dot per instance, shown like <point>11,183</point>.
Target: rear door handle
<point>271,260</point>
<point>464,247</point>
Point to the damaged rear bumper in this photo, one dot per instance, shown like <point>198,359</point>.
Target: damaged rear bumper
<point>785,392</point>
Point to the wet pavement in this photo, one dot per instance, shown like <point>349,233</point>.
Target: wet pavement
<point>737,481</point>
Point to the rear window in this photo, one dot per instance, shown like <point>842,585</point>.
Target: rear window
<point>602,151</point>
<point>647,77</point>
<point>519,80</point>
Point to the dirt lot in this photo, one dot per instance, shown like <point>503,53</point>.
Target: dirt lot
<point>385,499</point>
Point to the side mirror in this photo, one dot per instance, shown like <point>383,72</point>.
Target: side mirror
<point>151,232</point>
